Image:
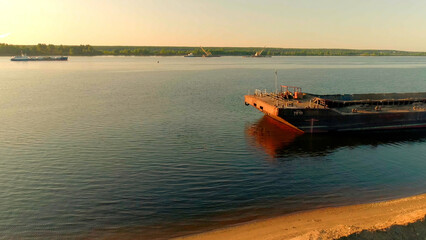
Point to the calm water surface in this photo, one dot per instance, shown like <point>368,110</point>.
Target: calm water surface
<point>125,147</point>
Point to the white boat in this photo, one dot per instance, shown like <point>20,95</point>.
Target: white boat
<point>189,55</point>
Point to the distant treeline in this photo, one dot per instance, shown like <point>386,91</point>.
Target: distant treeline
<point>48,49</point>
<point>87,50</point>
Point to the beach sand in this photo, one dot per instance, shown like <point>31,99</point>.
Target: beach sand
<point>327,223</point>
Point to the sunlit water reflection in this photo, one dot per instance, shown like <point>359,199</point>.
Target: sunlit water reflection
<point>125,146</point>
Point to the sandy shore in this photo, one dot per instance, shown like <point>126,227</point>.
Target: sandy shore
<point>327,223</point>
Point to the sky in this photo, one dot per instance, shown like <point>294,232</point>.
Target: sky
<point>354,24</point>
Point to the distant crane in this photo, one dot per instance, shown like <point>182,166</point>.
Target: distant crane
<point>259,53</point>
<point>206,53</point>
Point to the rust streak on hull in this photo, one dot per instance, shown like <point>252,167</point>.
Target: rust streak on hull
<point>269,110</point>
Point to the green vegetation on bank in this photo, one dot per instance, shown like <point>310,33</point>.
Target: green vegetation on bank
<point>48,49</point>
<point>87,50</point>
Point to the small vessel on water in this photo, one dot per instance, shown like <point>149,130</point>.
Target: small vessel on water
<point>313,113</point>
<point>25,58</point>
<point>259,54</point>
<point>190,55</point>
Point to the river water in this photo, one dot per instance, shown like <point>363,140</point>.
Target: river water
<point>154,147</point>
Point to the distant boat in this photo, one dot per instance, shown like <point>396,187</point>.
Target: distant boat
<point>259,54</point>
<point>25,58</point>
<point>190,55</point>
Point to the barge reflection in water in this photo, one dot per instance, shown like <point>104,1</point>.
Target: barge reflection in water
<point>280,141</point>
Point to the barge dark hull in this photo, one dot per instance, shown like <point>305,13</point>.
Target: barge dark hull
<point>327,120</point>
<point>40,59</point>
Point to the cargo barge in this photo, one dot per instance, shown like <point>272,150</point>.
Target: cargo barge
<point>25,58</point>
<point>313,113</point>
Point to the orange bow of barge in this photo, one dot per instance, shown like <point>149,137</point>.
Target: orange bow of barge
<point>313,113</point>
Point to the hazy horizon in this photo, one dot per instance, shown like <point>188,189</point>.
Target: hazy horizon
<point>328,24</point>
<point>181,46</point>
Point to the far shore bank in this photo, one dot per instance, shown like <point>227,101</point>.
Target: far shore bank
<point>329,223</point>
<point>42,49</point>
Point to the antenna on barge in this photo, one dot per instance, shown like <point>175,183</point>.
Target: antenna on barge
<point>276,81</point>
